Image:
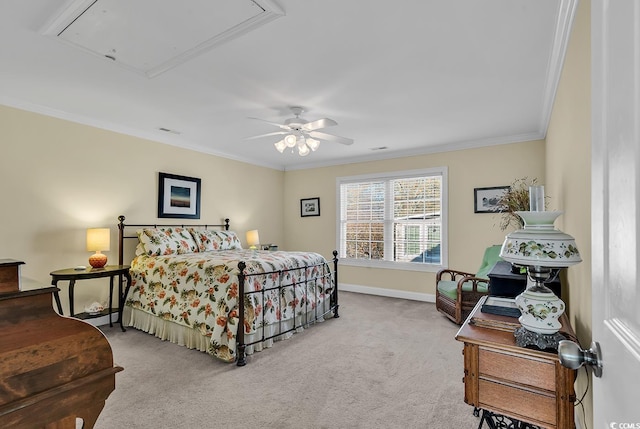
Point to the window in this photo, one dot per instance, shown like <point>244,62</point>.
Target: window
<point>393,220</point>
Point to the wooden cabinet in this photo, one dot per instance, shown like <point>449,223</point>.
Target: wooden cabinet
<point>520,383</point>
<point>54,369</point>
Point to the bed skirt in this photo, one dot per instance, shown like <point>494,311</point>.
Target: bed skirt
<point>193,339</point>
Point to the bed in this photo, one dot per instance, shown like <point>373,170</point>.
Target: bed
<point>193,284</point>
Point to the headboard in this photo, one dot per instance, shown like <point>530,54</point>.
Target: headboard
<point>123,233</point>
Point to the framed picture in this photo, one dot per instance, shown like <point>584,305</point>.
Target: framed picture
<point>485,200</point>
<point>310,207</point>
<point>178,196</point>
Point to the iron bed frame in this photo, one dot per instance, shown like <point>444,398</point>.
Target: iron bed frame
<point>242,279</point>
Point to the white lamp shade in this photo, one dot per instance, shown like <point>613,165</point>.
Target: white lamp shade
<point>290,140</point>
<point>253,238</point>
<point>539,243</point>
<point>98,239</point>
<point>280,145</point>
<point>313,144</point>
<point>303,149</point>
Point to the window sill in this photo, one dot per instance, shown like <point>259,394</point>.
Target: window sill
<point>388,265</point>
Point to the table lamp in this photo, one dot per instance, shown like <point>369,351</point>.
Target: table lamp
<point>253,239</point>
<point>541,248</point>
<point>98,240</point>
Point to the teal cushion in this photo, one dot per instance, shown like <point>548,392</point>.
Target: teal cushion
<point>450,288</point>
<point>491,256</point>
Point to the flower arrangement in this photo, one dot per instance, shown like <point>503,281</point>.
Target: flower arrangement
<point>516,198</point>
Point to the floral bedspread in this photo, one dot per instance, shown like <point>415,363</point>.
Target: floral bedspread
<point>200,290</point>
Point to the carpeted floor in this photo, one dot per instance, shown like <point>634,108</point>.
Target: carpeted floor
<point>385,363</point>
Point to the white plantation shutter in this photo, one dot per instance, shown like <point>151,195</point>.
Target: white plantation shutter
<point>393,218</point>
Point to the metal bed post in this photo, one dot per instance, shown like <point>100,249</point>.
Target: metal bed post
<point>242,356</point>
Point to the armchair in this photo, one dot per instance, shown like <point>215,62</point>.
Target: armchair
<point>457,292</point>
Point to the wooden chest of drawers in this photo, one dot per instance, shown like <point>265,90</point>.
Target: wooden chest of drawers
<point>520,383</point>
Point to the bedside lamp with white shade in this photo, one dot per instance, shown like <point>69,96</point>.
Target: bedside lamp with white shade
<point>253,239</point>
<point>98,240</point>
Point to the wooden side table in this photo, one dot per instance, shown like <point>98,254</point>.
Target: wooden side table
<point>72,275</point>
<point>523,384</point>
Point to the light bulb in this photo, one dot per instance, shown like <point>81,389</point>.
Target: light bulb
<point>281,146</point>
<point>313,144</point>
<point>303,149</point>
<point>290,140</point>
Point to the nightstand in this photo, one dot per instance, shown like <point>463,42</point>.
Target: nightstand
<point>72,275</point>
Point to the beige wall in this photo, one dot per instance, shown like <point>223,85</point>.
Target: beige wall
<point>58,178</point>
<point>568,170</point>
<point>469,233</point>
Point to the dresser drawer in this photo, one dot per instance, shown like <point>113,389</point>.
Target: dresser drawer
<point>518,369</point>
<point>523,404</point>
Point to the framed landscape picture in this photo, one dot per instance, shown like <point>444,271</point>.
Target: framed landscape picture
<point>486,200</point>
<point>178,196</point>
<point>310,207</point>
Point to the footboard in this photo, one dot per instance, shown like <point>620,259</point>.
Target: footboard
<point>309,316</point>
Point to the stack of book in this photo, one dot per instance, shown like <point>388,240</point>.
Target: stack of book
<point>497,313</point>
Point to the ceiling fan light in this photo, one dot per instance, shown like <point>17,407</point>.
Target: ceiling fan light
<point>313,144</point>
<point>280,145</point>
<point>303,149</point>
<point>290,140</point>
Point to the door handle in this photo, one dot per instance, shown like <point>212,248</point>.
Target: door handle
<point>573,357</point>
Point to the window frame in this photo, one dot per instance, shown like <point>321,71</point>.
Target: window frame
<point>442,172</point>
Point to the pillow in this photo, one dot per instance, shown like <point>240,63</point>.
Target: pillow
<point>230,240</point>
<point>167,241</point>
<point>207,239</point>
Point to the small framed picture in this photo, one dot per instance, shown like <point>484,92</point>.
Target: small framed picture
<point>486,200</point>
<point>178,196</point>
<point>310,207</point>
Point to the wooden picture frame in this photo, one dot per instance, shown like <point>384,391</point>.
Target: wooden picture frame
<point>310,207</point>
<point>178,196</point>
<point>485,200</point>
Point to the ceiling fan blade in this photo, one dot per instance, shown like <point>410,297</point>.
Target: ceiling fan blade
<point>320,123</point>
<point>330,137</point>
<point>275,133</point>
<point>284,127</point>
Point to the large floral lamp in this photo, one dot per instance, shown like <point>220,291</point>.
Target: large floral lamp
<point>542,249</point>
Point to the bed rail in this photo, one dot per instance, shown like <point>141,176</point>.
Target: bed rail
<point>330,278</point>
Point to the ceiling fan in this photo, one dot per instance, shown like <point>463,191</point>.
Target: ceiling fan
<point>302,133</point>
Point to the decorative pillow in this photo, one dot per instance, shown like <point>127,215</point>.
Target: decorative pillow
<point>167,241</point>
<point>207,239</point>
<point>230,240</point>
<point>140,247</point>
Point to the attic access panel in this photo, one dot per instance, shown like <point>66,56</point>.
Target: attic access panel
<point>153,36</point>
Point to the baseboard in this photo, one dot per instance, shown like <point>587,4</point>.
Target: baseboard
<point>391,293</point>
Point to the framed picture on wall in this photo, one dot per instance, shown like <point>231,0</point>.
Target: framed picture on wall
<point>486,200</point>
<point>178,196</point>
<point>310,207</point>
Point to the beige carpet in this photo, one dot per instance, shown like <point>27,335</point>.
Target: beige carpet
<point>385,363</point>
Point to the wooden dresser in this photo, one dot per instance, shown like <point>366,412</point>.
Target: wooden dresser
<point>520,383</point>
<point>53,369</point>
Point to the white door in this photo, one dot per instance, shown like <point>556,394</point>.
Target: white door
<point>616,210</point>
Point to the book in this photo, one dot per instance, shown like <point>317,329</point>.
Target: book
<point>501,306</point>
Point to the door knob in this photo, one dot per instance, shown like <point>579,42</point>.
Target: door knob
<point>572,356</point>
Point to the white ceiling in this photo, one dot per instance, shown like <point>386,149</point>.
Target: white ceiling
<point>414,76</point>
